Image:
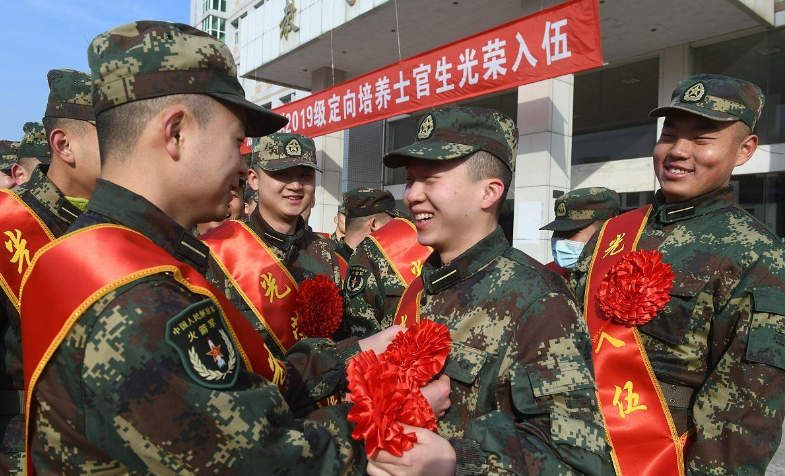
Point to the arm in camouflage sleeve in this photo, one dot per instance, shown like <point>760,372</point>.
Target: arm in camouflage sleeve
<point>549,420</point>
<point>738,411</point>
<point>148,413</point>
<point>364,307</point>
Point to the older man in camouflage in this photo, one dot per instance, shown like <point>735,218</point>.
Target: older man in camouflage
<point>33,150</point>
<point>716,349</point>
<point>54,200</point>
<point>579,214</point>
<point>522,390</point>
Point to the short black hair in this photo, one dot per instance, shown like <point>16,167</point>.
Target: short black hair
<point>120,127</point>
<point>484,165</point>
<point>77,126</point>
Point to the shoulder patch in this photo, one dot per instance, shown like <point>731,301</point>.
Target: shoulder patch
<point>356,279</point>
<point>200,337</point>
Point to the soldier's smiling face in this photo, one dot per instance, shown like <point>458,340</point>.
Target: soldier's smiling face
<point>696,155</point>
<point>286,193</point>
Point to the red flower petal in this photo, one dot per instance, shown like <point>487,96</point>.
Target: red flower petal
<point>319,307</point>
<point>420,351</point>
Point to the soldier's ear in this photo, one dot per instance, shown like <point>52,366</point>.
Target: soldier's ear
<point>19,174</point>
<point>253,179</point>
<point>172,133</point>
<point>493,190</point>
<point>61,146</point>
<point>747,149</point>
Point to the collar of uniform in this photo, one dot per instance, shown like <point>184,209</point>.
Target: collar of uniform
<point>272,237</point>
<point>50,197</point>
<point>123,206</point>
<point>437,278</point>
<point>344,250</point>
<point>667,213</point>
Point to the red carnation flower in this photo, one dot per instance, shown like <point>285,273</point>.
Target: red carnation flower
<point>319,307</point>
<point>379,394</point>
<point>636,288</point>
<point>420,351</point>
<point>416,410</point>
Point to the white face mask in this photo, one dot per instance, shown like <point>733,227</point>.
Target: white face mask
<point>566,252</point>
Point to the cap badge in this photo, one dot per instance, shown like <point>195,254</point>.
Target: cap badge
<point>426,128</point>
<point>293,148</point>
<point>695,93</point>
<point>561,210</point>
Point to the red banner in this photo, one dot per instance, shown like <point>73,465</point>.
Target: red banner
<point>561,40</point>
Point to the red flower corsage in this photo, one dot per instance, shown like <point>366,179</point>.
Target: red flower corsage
<point>319,307</point>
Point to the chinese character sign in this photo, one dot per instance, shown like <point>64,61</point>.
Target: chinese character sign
<point>560,40</point>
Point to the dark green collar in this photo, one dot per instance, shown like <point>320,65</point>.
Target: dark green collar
<point>666,213</point>
<point>51,198</point>
<point>344,250</point>
<point>437,277</point>
<point>273,238</point>
<point>126,208</point>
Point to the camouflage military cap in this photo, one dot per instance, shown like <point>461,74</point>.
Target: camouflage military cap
<point>282,151</point>
<point>456,132</point>
<point>720,98</point>
<point>8,154</point>
<point>148,59</point>
<point>363,202</point>
<point>70,95</point>
<point>34,143</point>
<point>342,207</point>
<point>582,207</point>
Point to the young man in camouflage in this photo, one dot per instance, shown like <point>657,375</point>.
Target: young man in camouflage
<point>522,390</point>
<point>579,215</point>
<point>56,198</point>
<point>716,349</point>
<point>367,210</point>
<point>33,150</point>
<point>7,160</point>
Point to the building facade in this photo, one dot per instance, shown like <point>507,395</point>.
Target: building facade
<point>583,130</point>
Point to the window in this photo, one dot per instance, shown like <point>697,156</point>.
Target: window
<point>287,99</point>
<point>633,200</point>
<point>757,58</point>
<point>611,113</point>
<point>219,5</point>
<point>215,26</point>
<point>762,195</point>
<point>267,105</point>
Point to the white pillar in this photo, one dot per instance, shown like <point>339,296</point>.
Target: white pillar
<point>544,159</point>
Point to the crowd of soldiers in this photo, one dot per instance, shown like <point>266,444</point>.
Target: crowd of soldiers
<point>150,279</point>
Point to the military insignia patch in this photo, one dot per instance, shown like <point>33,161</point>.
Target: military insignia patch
<point>200,337</point>
<point>293,148</point>
<point>694,93</point>
<point>426,127</point>
<point>356,279</point>
<point>561,210</point>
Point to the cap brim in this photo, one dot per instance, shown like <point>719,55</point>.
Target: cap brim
<point>428,150</point>
<point>259,121</point>
<point>695,109</point>
<point>395,213</point>
<point>288,163</point>
<point>567,225</point>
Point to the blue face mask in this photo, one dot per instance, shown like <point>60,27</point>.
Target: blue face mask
<point>566,252</point>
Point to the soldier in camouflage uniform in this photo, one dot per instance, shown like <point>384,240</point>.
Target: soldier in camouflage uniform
<point>522,391</point>
<point>717,347</point>
<point>366,210</point>
<point>340,224</point>
<point>7,160</point>
<point>57,198</point>
<point>283,174</point>
<point>118,395</point>
<point>579,214</point>
<point>33,150</point>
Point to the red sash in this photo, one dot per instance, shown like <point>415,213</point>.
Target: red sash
<point>398,242</point>
<point>22,234</point>
<point>343,265</point>
<point>408,311</point>
<point>563,272</point>
<point>321,233</point>
<point>637,419</point>
<point>75,271</point>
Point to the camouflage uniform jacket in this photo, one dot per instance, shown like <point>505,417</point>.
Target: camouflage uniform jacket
<point>117,398</point>
<point>305,254</point>
<point>57,213</point>
<point>522,388</point>
<point>722,333</point>
<point>372,308</point>
<point>343,250</point>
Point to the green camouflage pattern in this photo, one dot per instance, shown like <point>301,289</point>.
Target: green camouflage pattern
<point>304,254</point>
<point>70,95</point>
<point>8,156</point>
<point>342,207</point>
<point>717,97</point>
<point>522,386</point>
<point>343,250</point>
<point>364,201</point>
<point>149,59</point>
<point>456,132</point>
<point>115,397</point>
<point>722,332</point>
<point>57,214</point>
<point>282,151</point>
<point>582,207</point>
<point>34,143</point>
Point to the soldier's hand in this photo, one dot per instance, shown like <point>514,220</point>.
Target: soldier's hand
<point>438,395</point>
<point>379,341</point>
<point>432,455</point>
